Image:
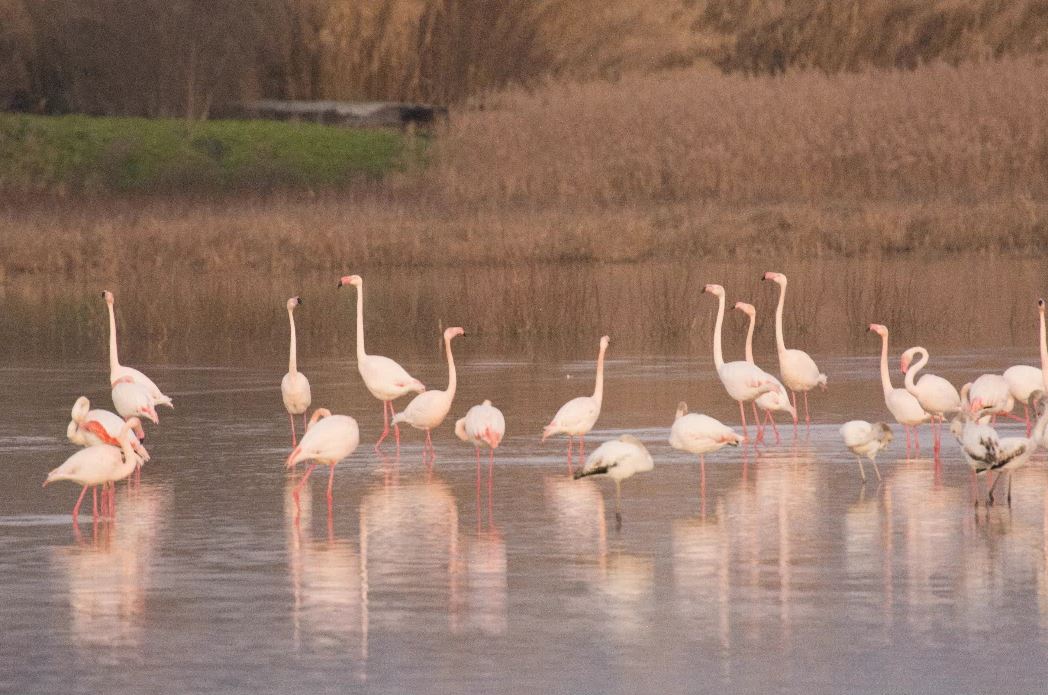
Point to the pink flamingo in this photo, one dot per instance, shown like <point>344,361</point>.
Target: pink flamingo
<point>578,416</point>
<point>483,425</point>
<point>118,371</point>
<point>294,387</point>
<point>384,378</point>
<point>328,439</point>
<point>936,395</point>
<point>770,401</point>
<point>902,404</point>
<point>428,409</point>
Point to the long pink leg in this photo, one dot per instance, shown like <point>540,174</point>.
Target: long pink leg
<point>742,413</point>
<point>386,405</point>
<point>331,483</point>
<point>774,429</point>
<point>429,445</point>
<point>757,420</point>
<point>793,398</point>
<point>76,507</point>
<point>570,469</point>
<point>1026,415</point>
<point>396,432</point>
<point>304,422</point>
<point>582,448</point>
<point>294,437</point>
<point>302,482</point>
<point>807,417</point>
<point>94,503</point>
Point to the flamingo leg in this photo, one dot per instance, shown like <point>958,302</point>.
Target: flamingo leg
<point>304,422</point>
<point>491,477</point>
<point>302,482</point>
<point>774,429</point>
<point>386,405</point>
<point>429,445</point>
<point>94,503</point>
<point>331,483</point>
<point>582,447</point>
<point>757,420</point>
<point>570,469</point>
<point>1026,415</point>
<point>76,507</point>
<point>793,400</point>
<point>618,502</point>
<point>294,437</point>
<point>989,495</point>
<point>742,413</point>
<point>396,432</point>
<point>862,473</point>
<point>807,416</point>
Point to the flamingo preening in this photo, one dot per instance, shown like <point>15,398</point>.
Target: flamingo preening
<point>743,380</point>
<point>902,404</point>
<point>799,371</point>
<point>936,395</point>
<point>384,378</point>
<point>428,409</point>
<point>866,439</point>
<point>328,439</point>
<point>770,401</point>
<point>700,434</point>
<point>89,427</point>
<point>118,371</point>
<point>294,387</point>
<point>618,459</point>
<point>132,400</point>
<point>992,391</point>
<point>577,417</point>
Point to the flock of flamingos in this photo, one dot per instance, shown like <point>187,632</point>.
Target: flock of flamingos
<point>113,451</point>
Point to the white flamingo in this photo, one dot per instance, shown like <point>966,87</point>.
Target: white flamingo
<point>700,434</point>
<point>89,427</point>
<point>118,371</point>
<point>936,395</point>
<point>991,391</point>
<point>772,401</point>
<point>578,416</point>
<point>294,387</point>
<point>384,378</point>
<point>483,425</point>
<point>428,409</point>
<point>866,439</point>
<point>743,381</point>
<point>328,439</point>
<point>799,371</point>
<point>101,464</point>
<point>1023,380</point>
<point>132,400</point>
<point>902,404</point>
<point>618,459</point>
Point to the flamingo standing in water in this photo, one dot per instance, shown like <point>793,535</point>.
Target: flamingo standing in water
<point>577,417</point>
<point>101,464</point>
<point>700,434</point>
<point>771,401</point>
<point>384,378</point>
<point>993,392</point>
<point>132,400</point>
<point>743,381</point>
<point>902,404</point>
<point>1023,380</point>
<point>294,387</point>
<point>89,427</point>
<point>328,439</point>
<point>427,410</point>
<point>798,369</point>
<point>618,459</point>
<point>483,424</point>
<point>118,371</point>
<point>936,395</point>
<point>866,439</point>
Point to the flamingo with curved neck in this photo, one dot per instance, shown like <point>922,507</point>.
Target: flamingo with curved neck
<point>118,371</point>
<point>799,371</point>
<point>427,410</point>
<point>294,387</point>
<point>578,416</point>
<point>936,395</point>
<point>902,404</point>
<point>776,400</point>
<point>384,378</point>
<point>328,439</point>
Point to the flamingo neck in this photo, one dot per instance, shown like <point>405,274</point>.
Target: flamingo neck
<point>292,363</point>
<point>718,353</point>
<point>911,373</point>
<point>598,390</point>
<point>114,360</point>
<point>452,380</point>
<point>749,338</point>
<point>886,380</point>
<point>360,323</point>
<point>780,344</point>
<point>1044,354</point>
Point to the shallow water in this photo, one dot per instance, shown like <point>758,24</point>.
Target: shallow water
<point>781,573</point>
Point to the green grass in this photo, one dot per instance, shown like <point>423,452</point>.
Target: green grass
<point>138,155</point>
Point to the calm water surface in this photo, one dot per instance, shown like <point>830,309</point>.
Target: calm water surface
<point>782,573</point>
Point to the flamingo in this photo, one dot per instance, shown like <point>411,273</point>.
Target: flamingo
<point>483,424</point>
<point>132,400</point>
<point>935,394</point>
<point>1023,380</point>
<point>427,410</point>
<point>798,369</point>
<point>743,381</point>
<point>384,378</point>
<point>700,434</point>
<point>118,371</point>
<point>294,387</point>
<point>993,392</point>
<point>328,439</point>
<point>100,464</point>
<point>987,452</point>
<point>577,417</point>
<point>902,404</point>
<point>618,459</point>
<point>777,400</point>
<point>92,427</point>
<point>866,439</point>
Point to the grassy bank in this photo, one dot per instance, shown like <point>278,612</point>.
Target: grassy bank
<point>72,154</point>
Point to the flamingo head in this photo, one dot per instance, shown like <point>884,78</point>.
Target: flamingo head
<point>73,433</point>
<point>80,409</point>
<point>460,429</point>
<point>148,412</point>
<point>1040,305</point>
<point>715,290</point>
<point>682,410</point>
<point>878,329</point>
<point>108,296</point>
<point>450,333</point>
<point>746,308</point>
<point>317,415</point>
<point>884,433</point>
<point>604,342</point>
<point>775,277</point>
<point>293,302</point>
<point>354,280</point>
<point>906,359</point>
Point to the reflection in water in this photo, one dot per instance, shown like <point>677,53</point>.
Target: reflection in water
<point>702,573</point>
<point>578,517</point>
<point>481,584</point>
<point>329,595</point>
<point>109,576</point>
